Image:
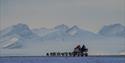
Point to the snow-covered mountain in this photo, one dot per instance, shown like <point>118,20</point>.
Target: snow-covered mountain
<point>113,30</point>
<point>20,29</point>
<point>63,33</point>
<point>42,31</point>
<point>61,27</point>
<point>80,33</point>
<point>12,35</point>
<point>20,39</point>
<point>57,33</point>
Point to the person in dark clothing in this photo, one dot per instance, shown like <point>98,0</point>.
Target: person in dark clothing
<point>77,50</point>
<point>84,50</point>
<point>47,54</point>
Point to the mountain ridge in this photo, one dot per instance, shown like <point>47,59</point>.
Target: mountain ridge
<point>113,30</point>
<point>56,39</point>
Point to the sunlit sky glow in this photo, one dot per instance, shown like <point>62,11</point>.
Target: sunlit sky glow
<point>87,14</point>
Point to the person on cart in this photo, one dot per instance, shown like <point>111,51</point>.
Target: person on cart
<point>77,50</point>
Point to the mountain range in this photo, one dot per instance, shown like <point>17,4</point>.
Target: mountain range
<point>21,36</point>
<point>113,30</point>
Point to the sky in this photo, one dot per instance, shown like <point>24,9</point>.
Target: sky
<point>90,15</point>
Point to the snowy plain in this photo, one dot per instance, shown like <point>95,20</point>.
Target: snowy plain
<point>40,59</point>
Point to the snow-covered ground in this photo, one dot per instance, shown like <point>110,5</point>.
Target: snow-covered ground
<point>106,46</point>
<point>20,40</point>
<point>62,59</point>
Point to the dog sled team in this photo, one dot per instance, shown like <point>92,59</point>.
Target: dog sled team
<point>78,51</point>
